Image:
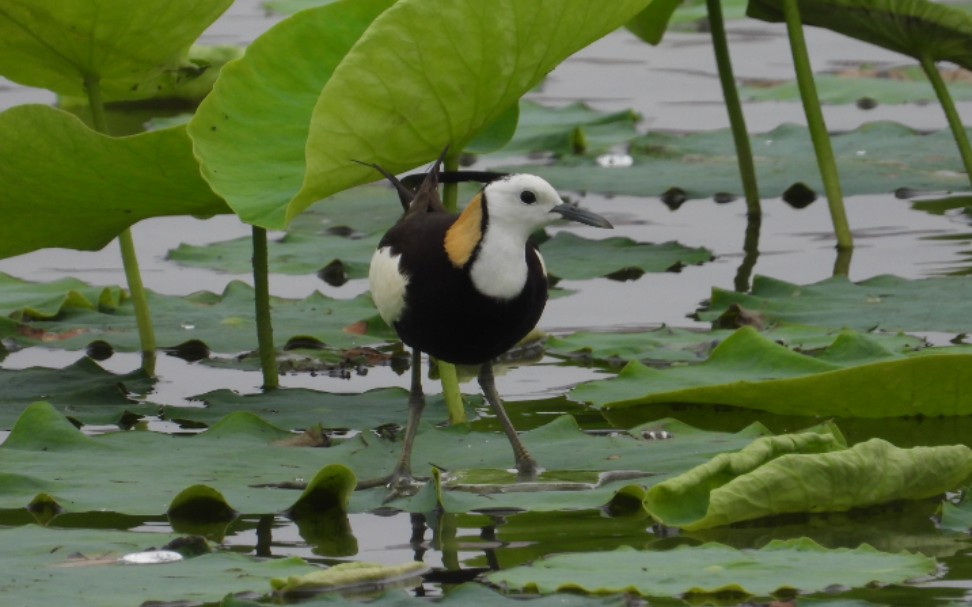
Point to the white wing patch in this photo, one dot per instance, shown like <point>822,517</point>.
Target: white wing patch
<point>387,284</point>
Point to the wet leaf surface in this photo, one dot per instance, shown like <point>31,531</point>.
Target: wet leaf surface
<point>224,322</point>
<point>56,563</point>
<point>712,568</point>
<point>888,303</point>
<point>878,157</point>
<point>854,377</point>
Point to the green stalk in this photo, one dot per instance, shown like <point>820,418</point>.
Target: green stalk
<point>954,122</point>
<point>143,319</point>
<point>447,371</point>
<point>261,286</point>
<point>750,254</point>
<point>737,122</point>
<point>816,124</point>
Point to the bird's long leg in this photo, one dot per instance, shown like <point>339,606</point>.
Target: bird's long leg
<point>401,480</point>
<point>525,464</point>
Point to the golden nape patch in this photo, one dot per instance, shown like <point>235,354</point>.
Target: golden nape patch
<point>465,233</point>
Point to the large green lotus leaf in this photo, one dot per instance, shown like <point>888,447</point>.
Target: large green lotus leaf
<point>854,377</point>
<point>82,391</point>
<point>224,322</point>
<point>240,458</point>
<point>412,93</point>
<point>917,28</point>
<point>889,303</point>
<point>674,345</point>
<point>713,568</point>
<point>249,133</point>
<point>877,157</point>
<point>131,50</point>
<point>50,200</point>
<point>802,473</point>
<point>380,77</point>
<point>907,86</point>
<point>41,566</point>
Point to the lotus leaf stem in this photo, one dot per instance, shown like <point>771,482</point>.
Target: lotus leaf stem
<point>954,121</point>
<point>143,318</point>
<point>261,286</point>
<point>447,371</point>
<point>816,124</point>
<point>737,122</point>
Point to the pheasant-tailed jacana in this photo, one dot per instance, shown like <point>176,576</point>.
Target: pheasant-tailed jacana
<point>465,288</point>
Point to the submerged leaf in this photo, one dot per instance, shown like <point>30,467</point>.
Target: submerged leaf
<point>713,568</point>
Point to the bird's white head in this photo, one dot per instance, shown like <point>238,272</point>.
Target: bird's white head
<point>521,201</point>
<point>527,203</point>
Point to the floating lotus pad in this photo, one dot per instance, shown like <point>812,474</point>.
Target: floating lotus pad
<point>799,565</point>
<point>888,303</point>
<point>854,377</point>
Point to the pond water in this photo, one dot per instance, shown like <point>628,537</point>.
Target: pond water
<point>673,87</point>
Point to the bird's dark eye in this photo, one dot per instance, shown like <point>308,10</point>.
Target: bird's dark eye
<point>528,197</point>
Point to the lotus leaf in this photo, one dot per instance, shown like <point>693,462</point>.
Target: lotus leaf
<point>876,157</point>
<point>916,28</point>
<point>50,202</point>
<point>674,345</point>
<point>242,459</point>
<point>566,255</point>
<point>908,86</point>
<point>804,473</point>
<point>382,78</point>
<point>78,567</point>
<point>82,391</point>
<point>854,377</point>
<point>714,568</point>
<point>132,53</point>
<point>888,303</point>
<point>224,322</point>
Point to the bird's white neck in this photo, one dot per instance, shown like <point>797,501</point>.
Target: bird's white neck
<point>500,268</point>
